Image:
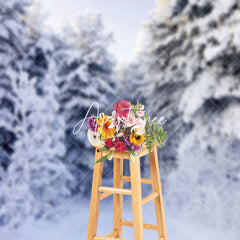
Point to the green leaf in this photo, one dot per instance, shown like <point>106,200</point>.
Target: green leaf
<point>132,156</point>
<point>106,157</point>
<point>109,156</point>
<point>104,148</point>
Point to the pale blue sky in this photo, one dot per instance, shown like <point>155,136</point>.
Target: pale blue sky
<point>122,17</point>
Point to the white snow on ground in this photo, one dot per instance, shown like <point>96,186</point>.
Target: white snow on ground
<point>73,225</point>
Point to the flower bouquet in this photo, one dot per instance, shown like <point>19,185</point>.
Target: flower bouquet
<point>126,130</point>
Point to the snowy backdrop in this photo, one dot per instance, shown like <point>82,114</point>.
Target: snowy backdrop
<point>187,69</point>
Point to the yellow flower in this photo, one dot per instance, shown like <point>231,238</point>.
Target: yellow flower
<point>104,122</point>
<point>137,139</point>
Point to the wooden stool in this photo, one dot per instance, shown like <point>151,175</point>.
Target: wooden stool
<point>99,192</point>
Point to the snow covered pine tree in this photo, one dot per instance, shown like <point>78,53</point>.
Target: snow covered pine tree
<point>193,68</point>
<point>12,28</point>
<point>37,178</point>
<point>87,76</point>
<point>37,168</point>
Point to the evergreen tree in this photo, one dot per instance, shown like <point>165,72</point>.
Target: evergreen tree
<point>14,42</point>
<point>14,34</point>
<point>130,79</point>
<point>32,130</point>
<point>86,70</point>
<point>192,69</point>
<point>37,174</point>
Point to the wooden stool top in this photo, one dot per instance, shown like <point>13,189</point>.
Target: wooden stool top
<point>124,155</point>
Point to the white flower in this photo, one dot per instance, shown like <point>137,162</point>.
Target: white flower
<point>141,107</point>
<point>120,134</point>
<point>138,129</point>
<point>114,114</point>
<point>94,138</point>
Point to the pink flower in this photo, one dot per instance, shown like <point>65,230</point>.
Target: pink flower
<point>122,108</point>
<point>140,121</point>
<point>131,120</point>
<point>140,113</point>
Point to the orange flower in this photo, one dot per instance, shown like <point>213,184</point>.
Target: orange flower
<point>104,122</point>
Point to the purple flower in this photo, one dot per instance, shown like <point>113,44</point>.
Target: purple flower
<point>126,148</point>
<point>92,124</point>
<point>136,148</point>
<point>127,140</point>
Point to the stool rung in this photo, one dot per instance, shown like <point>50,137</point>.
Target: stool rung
<point>104,195</point>
<point>106,238</point>
<point>149,197</point>
<point>143,180</point>
<point>115,190</point>
<point>112,234</point>
<point>145,225</point>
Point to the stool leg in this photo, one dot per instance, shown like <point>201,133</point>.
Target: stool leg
<point>95,197</point>
<point>136,199</point>
<point>158,201</point>
<point>117,198</point>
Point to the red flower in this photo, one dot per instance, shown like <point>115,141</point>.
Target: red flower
<point>122,108</point>
<point>116,140</point>
<point>109,143</point>
<point>120,147</point>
